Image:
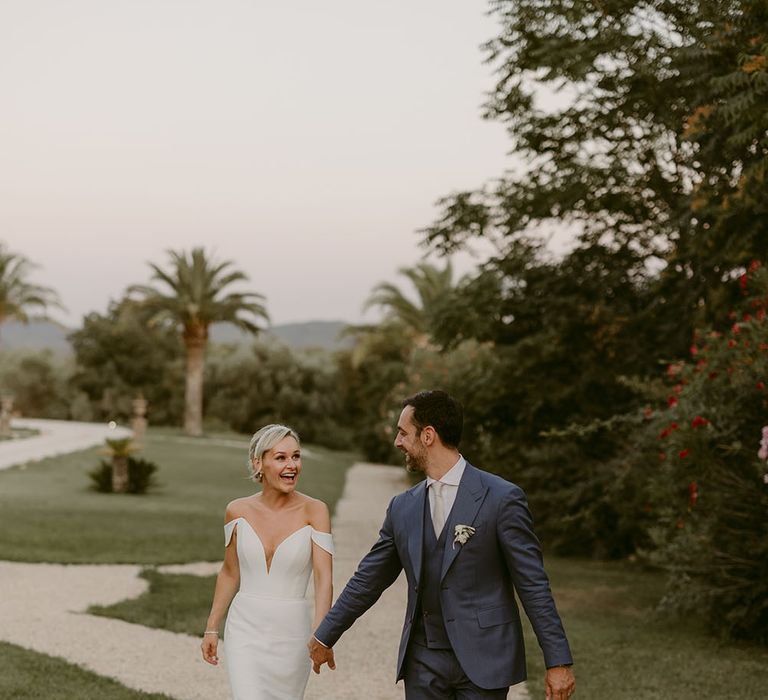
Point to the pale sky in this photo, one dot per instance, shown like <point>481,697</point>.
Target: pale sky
<point>305,140</point>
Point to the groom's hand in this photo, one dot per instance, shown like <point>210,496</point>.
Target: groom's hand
<point>559,683</point>
<point>320,655</point>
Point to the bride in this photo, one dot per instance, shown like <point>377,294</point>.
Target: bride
<point>274,540</point>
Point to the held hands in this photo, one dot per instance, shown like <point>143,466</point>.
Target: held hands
<point>320,655</point>
<point>209,647</point>
<point>559,683</point>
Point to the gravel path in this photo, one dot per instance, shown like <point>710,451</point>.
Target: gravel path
<point>56,437</point>
<point>42,608</point>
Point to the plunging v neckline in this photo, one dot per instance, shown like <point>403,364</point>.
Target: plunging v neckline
<point>268,562</point>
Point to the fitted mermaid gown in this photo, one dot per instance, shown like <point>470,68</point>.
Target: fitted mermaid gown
<point>269,620</point>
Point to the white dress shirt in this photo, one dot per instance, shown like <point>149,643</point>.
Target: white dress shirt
<point>450,481</point>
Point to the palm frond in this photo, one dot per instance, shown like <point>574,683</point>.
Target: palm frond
<point>194,293</point>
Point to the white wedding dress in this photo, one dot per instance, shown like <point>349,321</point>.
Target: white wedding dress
<point>269,620</point>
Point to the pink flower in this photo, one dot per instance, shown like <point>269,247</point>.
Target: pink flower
<point>698,422</point>
<point>672,402</point>
<point>762,453</point>
<point>666,432</point>
<point>743,281</point>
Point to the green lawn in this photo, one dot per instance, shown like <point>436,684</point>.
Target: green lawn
<point>27,675</point>
<point>50,515</point>
<point>176,602</point>
<point>624,651</point>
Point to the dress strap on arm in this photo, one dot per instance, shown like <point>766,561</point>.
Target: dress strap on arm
<point>323,540</point>
<point>229,528</point>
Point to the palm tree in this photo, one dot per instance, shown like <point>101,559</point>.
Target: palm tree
<point>193,297</point>
<point>433,286</point>
<point>18,296</point>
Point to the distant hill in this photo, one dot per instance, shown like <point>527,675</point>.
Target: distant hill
<point>36,335</point>
<point>299,336</point>
<point>49,335</point>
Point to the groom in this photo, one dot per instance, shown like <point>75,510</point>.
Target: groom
<point>465,539</point>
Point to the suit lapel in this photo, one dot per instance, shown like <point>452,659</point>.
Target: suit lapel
<point>469,498</point>
<point>414,519</point>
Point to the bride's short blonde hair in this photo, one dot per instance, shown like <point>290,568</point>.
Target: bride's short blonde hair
<point>263,440</point>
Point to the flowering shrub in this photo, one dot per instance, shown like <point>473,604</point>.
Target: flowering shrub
<point>709,487</point>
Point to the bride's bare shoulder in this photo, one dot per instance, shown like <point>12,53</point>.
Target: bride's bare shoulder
<point>239,507</point>
<point>318,515</point>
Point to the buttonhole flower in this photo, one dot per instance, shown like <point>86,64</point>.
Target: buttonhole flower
<point>462,533</point>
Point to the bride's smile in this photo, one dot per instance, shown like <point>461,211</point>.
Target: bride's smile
<point>280,467</point>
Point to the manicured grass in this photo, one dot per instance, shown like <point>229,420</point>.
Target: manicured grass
<point>27,675</point>
<point>49,513</point>
<point>175,602</point>
<point>624,650</point>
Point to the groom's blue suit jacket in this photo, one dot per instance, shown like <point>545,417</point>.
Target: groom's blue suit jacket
<point>478,580</point>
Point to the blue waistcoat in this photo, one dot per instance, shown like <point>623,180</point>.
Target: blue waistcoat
<point>429,630</point>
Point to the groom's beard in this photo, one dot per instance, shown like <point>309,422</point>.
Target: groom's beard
<point>415,463</point>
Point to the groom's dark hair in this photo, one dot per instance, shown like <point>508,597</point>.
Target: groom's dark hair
<point>440,410</point>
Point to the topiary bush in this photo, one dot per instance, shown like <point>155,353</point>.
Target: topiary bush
<point>141,476</point>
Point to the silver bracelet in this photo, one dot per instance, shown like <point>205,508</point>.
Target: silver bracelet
<point>211,632</point>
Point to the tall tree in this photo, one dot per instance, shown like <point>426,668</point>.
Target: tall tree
<point>18,296</point>
<point>117,357</point>
<point>433,286</point>
<point>192,295</point>
<point>659,142</point>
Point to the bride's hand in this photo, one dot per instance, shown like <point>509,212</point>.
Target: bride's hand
<point>209,647</point>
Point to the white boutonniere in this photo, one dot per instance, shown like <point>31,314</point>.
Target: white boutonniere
<point>461,533</point>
